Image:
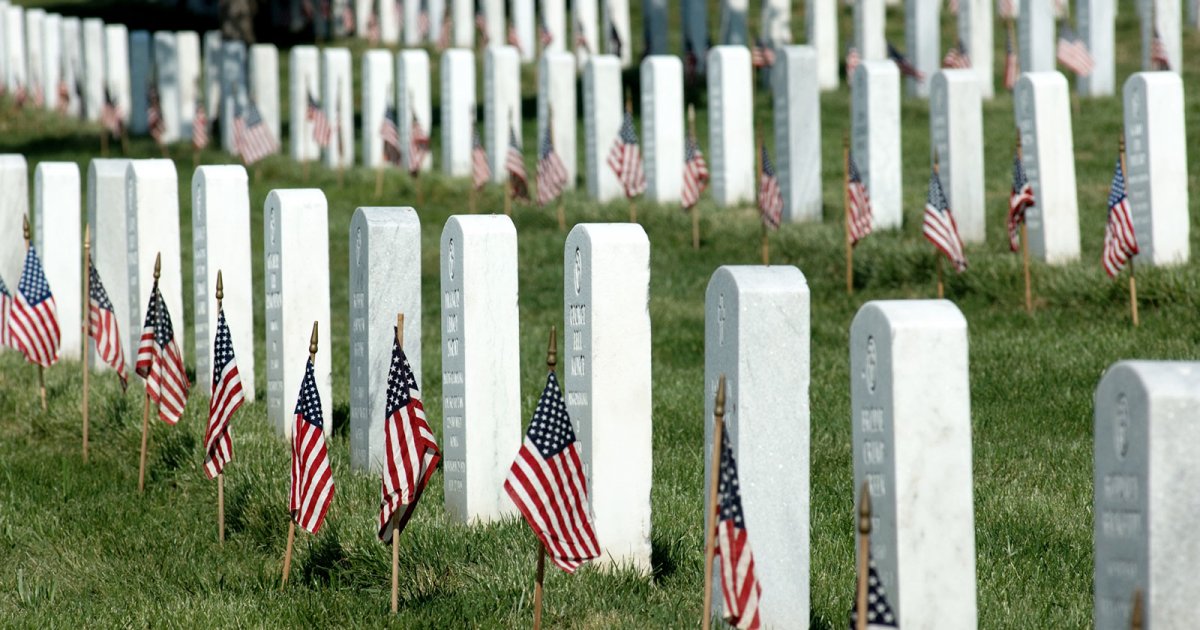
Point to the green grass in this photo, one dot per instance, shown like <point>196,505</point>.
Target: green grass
<point>84,549</point>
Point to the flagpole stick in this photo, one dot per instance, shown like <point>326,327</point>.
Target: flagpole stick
<point>846,207</point>
<point>291,540</point>
<point>632,210</point>
<point>538,588</point>
<point>395,519</point>
<point>220,475</point>
<point>146,407</point>
<point>1136,616</point>
<point>864,545</point>
<point>1133,303</point>
<point>713,478</point>
<point>87,290</point>
<point>103,142</point>
<point>41,370</point>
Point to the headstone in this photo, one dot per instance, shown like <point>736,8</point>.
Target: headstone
<point>1167,27</point>
<point>141,73</point>
<point>695,33</point>
<point>922,36</point>
<point>114,74</point>
<point>821,22</point>
<point>975,29</point>
<point>606,381</point>
<point>616,32</point>
<point>1156,159</point>
<point>410,22</point>
<point>166,74</point>
<point>766,368</point>
<point>655,26</point>
<point>602,116</point>
<point>233,89</point>
<point>956,133</point>
<point>52,61</point>
<point>14,46</point>
<point>212,73</point>
<point>1146,424</point>
<point>554,20</point>
<point>1035,36</point>
<point>364,10</point>
<point>296,255</point>
<point>437,12</point>
<point>463,15</point>
<point>731,125</point>
<point>152,228</point>
<point>221,243</point>
<point>385,279</point>
<point>585,26</point>
<point>71,37</point>
<point>96,52</point>
<point>501,105</point>
<point>106,214</point>
<point>264,85</point>
<point>389,22</point>
<point>732,30</point>
<point>481,425</point>
<point>56,197</point>
<point>493,21</point>
<point>797,103</point>
<point>191,86</point>
<point>4,4</point>
<point>662,127</point>
<point>911,417</point>
<point>522,18</point>
<point>14,205</point>
<point>776,23</point>
<point>875,138</point>
<point>556,99</point>
<point>457,74</point>
<point>1043,112</point>
<point>870,18</point>
<point>377,90</point>
<point>412,98</point>
<point>33,51</point>
<point>304,74</point>
<point>336,81</point>
<point>1096,19</point>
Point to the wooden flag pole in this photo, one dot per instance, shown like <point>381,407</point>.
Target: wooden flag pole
<point>395,517</point>
<point>220,475</point>
<point>1136,616</point>
<point>766,241</point>
<point>146,407</point>
<point>714,478</point>
<point>87,290</point>
<point>941,289</point>
<point>41,370</point>
<point>695,211</point>
<point>551,364</point>
<point>1025,243</point>
<point>864,546</point>
<point>304,169</point>
<point>846,206</point>
<point>1133,301</point>
<point>291,539</point>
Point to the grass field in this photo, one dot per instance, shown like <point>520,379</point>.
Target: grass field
<point>85,550</point>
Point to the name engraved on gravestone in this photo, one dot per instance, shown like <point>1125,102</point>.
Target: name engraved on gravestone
<point>453,384</point>
<point>1156,166</point>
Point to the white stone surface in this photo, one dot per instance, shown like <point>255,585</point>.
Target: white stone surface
<point>221,243</point>
<point>336,81</point>
<point>875,138</point>
<point>52,62</point>
<point>14,47</point>
<point>922,37</point>
<point>141,73</point>
<point>1167,16</point>
<point>602,115</point>
<point>389,22</point>
<point>59,240</point>
<point>413,98</point>
<point>585,19</point>
<point>797,110</point>
<point>151,228</point>
<point>377,94</point>
<point>521,12</point>
<point>1036,38</point>
<point>98,49</point>
<point>264,86</point>
<point>14,205</point>
<point>615,18</point>
<point>166,73</point>
<point>975,27</point>
<point>1096,28</point>
<point>296,257</point>
<point>493,17</point>
<point>556,95</point>
<point>870,17</point>
<point>553,18</point>
<point>756,334</point>
<point>821,22</point>
<point>33,50</point>
<point>463,14</point>
<point>732,29</point>
<point>1043,112</point>
<point>409,23</point>
<point>304,75</point>
<point>776,24</point>
<point>731,125</point>
<point>481,426</point>
<point>1156,160</point>
<point>911,416</point>
<point>1146,429</point>
<point>501,105</point>
<point>662,127</point>
<point>606,381</point>
<point>191,87</point>
<point>212,74</point>
<point>233,90</point>
<point>458,111</point>
<point>4,4</point>
<point>106,214</point>
<point>71,38</point>
<point>956,133</point>
<point>695,32</point>
<point>385,279</point>
<point>116,74</point>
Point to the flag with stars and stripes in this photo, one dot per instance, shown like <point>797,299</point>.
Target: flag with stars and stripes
<point>110,115</point>
<point>859,216</point>
<point>160,362</point>
<point>695,173</point>
<point>480,171</point>
<point>902,62</point>
<point>940,228</point>
<point>544,34</point>
<point>482,29</point>
<point>1019,200</point>
<point>1073,53</point>
<point>5,312</point>
<point>200,126</point>
<point>761,55</point>
<point>446,35</point>
<point>879,612</point>
<point>312,476</point>
<point>63,101</point>
<point>253,139</point>
<point>1120,242</point>
<point>154,117</point>
<point>418,146</point>
<point>390,134</point>
<point>770,197</point>
<point>551,173</point>
<point>102,325</point>
<point>33,324</point>
<point>1012,65</point>
<point>412,453</point>
<point>226,398</point>
<point>1158,52</point>
<point>739,581</point>
<point>956,57</point>
<point>514,39</point>
<point>547,484</point>
<point>1006,9</point>
<point>625,159</point>
<point>322,130</point>
<point>514,163</point>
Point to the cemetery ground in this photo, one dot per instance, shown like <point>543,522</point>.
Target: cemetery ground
<point>80,547</point>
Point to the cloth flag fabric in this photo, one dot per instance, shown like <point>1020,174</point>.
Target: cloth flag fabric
<point>446,35</point>
<point>418,146</point>
<point>64,97</point>
<point>625,159</point>
<point>312,476</point>
<point>480,171</point>
<point>940,228</point>
<point>226,398</point>
<point>770,197</point>
<point>957,57</point>
<point>551,173</point>
<point>879,612</point>
<point>33,319</point>
<point>860,218</point>
<point>761,55</point>
<point>1120,241</point>
<point>1073,53</point>
<point>102,325</point>
<point>1012,65</point>
<point>902,62</point>
<point>852,61</point>
<point>514,163</point>
<point>1019,200</point>
<point>390,134</point>
<point>544,34</point>
<point>1158,52</point>
<point>615,45</point>
<point>160,362</point>
<point>481,28</point>
<point>200,126</point>
<point>412,451</point>
<point>322,130</point>
<point>5,313</point>
<point>695,173</point>
<point>514,39</point>
<point>253,139</point>
<point>547,484</point>
<point>739,582</point>
<point>110,115</point>
<point>581,42</point>
<point>154,117</point>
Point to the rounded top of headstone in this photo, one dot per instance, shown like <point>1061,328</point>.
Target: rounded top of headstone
<point>609,233</point>
<point>151,168</point>
<point>335,54</point>
<point>878,67</point>
<point>12,160</point>
<point>256,48</point>
<point>1162,79</point>
<point>910,314</point>
<point>306,49</point>
<point>958,77</point>
<point>557,57</point>
<point>57,169</point>
<point>220,173</point>
<point>662,62</point>
<point>297,197</point>
<point>1168,378</point>
<point>383,215</point>
<point>107,167</point>
<point>508,53</point>
<point>602,61</point>
<point>410,55</point>
<point>458,53</point>
<point>1050,79</point>
<point>760,278</point>
<point>378,55</point>
<point>731,54</point>
<point>479,224</point>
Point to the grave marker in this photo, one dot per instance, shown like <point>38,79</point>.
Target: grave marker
<point>14,206</point>
<point>956,133</point>
<point>14,45</point>
<point>522,22</point>
<point>1096,28</point>
<point>377,89</point>
<point>501,105</point>
<point>662,127</point>
<point>602,115</point>
<point>71,37</point>
<point>654,26</point>
<point>212,73</point>
<point>152,228</point>
<point>1036,36</point>
<point>458,111</point>
<point>1167,26</point>
<point>732,31</point>
<point>106,214</point>
<point>797,109</point>
<point>114,74</point>
<point>975,27</point>
<point>1156,156</point>
<point>264,86</point>
<point>56,196</point>
<point>615,35</point>
<point>304,73</point>
<point>584,25</point>
<point>821,23</point>
<point>336,80</point>
<point>233,90</point>
<point>187,52</point>
<point>141,73</point>
<point>1043,112</point>
<point>556,94</point>
<point>870,17</point>
<point>922,36</point>
<point>52,62</point>
<point>731,125</point>
<point>98,50</point>
<point>33,51</point>
<point>554,20</point>
<point>412,97</point>
<point>463,14</point>
<point>493,18</point>
<point>875,138</point>
<point>776,23</point>
<point>389,23</point>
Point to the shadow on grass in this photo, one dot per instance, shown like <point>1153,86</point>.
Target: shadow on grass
<point>662,558</point>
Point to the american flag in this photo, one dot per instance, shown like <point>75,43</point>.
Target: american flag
<point>581,42</point>
<point>1120,242</point>
<point>418,146</point>
<point>160,363</point>
<point>1012,66</point>
<point>33,318</point>
<point>695,173</point>
<point>312,476</point>
<point>373,29</point>
<point>390,134</point>
<point>852,61</point>
<point>770,197</point>
<point>957,57</point>
<point>200,126</point>
<point>761,55</point>
<point>322,130</point>
<point>102,325</point>
<point>615,45</point>
<point>110,114</point>
<point>544,34</point>
<point>5,311</point>
<point>952,6</point>
<point>551,173</point>
<point>514,163</point>
<point>480,170</point>
<point>154,118</point>
<point>739,582</point>
<point>625,159</point>
<point>253,139</point>
<point>423,21</point>
<point>1073,52</point>
<point>226,398</point>
<point>514,39</point>
<point>64,97</point>
<point>940,227</point>
<point>347,19</point>
<point>859,216</point>
<point>1019,200</point>
<point>879,611</point>
<point>547,484</point>
<point>445,37</point>
<point>481,27</point>
<point>1006,9</point>
<point>902,62</point>
<point>39,97</point>
<point>1158,52</point>
<point>412,451</point>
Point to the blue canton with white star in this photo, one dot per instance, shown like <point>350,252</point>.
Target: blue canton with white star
<point>1019,179</point>
<point>628,133</point>
<point>33,283</point>
<point>401,382</point>
<point>936,197</point>
<point>222,347</point>
<point>160,319</point>
<point>96,289</point>
<point>1117,192</point>
<point>879,611</point>
<point>768,167</point>
<point>729,492</point>
<point>308,404</point>
<point>550,430</point>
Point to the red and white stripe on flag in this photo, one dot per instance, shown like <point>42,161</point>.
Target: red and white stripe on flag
<point>695,173</point>
<point>227,397</point>
<point>625,159</point>
<point>33,317</point>
<point>160,362</point>
<point>739,581</point>
<point>480,171</point>
<point>412,453</point>
<point>940,228</point>
<point>312,477</point>
<point>1073,53</point>
<point>1120,241</point>
<point>102,325</point>
<point>859,216</point>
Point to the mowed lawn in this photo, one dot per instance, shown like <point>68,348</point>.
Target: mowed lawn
<point>80,547</point>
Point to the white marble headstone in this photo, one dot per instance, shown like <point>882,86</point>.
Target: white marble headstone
<point>732,29</point>
<point>922,36</point>
<point>166,73</point>
<point>553,17</point>
<point>821,22</point>
<point>655,26</point>
<point>304,74</point>
<point>662,127</point>
<point>463,16</point>
<point>33,50</point>
<point>59,239</point>
<point>1036,36</point>
<point>14,47</point>
<point>71,37</point>
<point>141,73</point>
<point>96,51</point>
<point>521,12</point>
<point>1096,28</point>
<point>1043,113</point>
<point>336,81</point>
<point>233,89</point>
<point>389,22</point>
<point>412,97</point>
<point>14,206</point>
<point>615,34</point>
<point>731,125</point>
<point>975,28</point>
<point>493,18</point>
<point>501,105</point>
<point>191,86</point>
<point>875,138</point>
<point>1156,159</point>
<point>585,19</point>
<point>106,214</point>
<point>556,95</point>
<point>870,17</point>
<point>52,61</point>
<point>115,73</point>
<point>797,110</point>
<point>956,136</point>
<point>377,95</point>
<point>458,111</point>
<point>212,74</point>
<point>264,85</point>
<point>151,228</point>
<point>1167,22</point>
<point>602,115</point>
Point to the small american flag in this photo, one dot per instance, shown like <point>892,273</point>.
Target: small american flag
<point>154,118</point>
<point>1012,66</point>
<point>253,139</point>
<point>544,34</point>
<point>160,363</point>
<point>952,6</point>
<point>940,227</point>
<point>852,61</point>
<point>1120,242</point>
<point>761,55</point>
<point>226,398</point>
<point>1019,200</point>
<point>390,134</point>
<point>39,97</point>
<point>5,313</point>
<point>770,197</point>
<point>445,37</point>
<point>200,126</point>
<point>625,159</point>
<point>480,171</point>
<point>482,29</point>
<point>312,476</point>
<point>110,115</point>
<point>547,484</point>
<point>347,19</point>
<point>412,451</point>
<point>33,324</point>
<point>514,39</point>
<point>64,97</point>
<point>879,611</point>
<point>859,216</point>
<point>695,173</point>
<point>551,173</point>
<point>1073,52</point>
<point>102,325</point>
<point>739,582</point>
<point>514,163</point>
<point>957,57</point>
<point>373,29</point>
<point>615,45</point>
<point>1006,9</point>
<point>902,62</point>
<point>581,42</point>
<point>418,146</point>
<point>1158,53</point>
<point>322,130</point>
<point>20,95</point>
